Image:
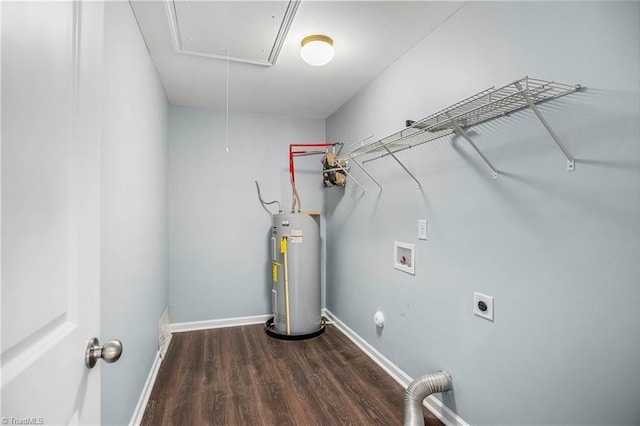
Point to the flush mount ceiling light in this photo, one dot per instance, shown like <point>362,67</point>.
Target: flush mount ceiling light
<point>317,49</point>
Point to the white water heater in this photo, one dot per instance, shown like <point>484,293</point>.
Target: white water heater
<point>295,270</point>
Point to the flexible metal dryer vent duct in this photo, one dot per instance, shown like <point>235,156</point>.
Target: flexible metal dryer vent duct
<point>418,390</point>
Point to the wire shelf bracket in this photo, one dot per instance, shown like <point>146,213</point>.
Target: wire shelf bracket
<point>354,179</point>
<point>571,166</point>
<point>346,171</point>
<point>367,173</point>
<point>402,165</point>
<point>494,171</point>
<point>486,105</point>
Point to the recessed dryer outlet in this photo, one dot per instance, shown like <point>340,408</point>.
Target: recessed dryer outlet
<point>483,305</point>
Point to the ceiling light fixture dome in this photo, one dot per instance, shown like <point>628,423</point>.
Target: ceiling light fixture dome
<point>317,49</point>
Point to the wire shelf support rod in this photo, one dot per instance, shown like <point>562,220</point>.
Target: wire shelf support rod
<point>570,161</point>
<point>403,166</point>
<point>494,171</point>
<point>368,174</point>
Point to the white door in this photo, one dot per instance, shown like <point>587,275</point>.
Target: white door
<point>51,101</point>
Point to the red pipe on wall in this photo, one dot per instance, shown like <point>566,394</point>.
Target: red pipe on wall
<point>292,170</point>
<point>292,153</point>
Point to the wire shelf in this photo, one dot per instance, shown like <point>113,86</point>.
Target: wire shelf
<point>479,108</point>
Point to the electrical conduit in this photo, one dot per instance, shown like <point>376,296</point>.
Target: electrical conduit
<point>264,203</point>
<point>418,390</point>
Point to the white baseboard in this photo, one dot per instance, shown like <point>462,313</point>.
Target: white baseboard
<point>219,323</point>
<point>398,375</point>
<point>136,418</point>
<point>433,404</point>
<point>442,412</point>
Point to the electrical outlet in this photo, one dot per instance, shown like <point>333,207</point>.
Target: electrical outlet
<point>483,305</point>
<point>422,229</point>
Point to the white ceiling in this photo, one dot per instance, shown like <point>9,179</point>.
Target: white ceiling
<point>189,42</point>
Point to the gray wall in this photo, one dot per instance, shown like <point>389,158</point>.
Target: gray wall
<point>218,231</point>
<point>558,250</point>
<point>134,211</point>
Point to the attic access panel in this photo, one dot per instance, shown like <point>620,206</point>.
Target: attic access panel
<point>251,31</point>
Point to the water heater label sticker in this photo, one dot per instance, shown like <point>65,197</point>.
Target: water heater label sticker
<point>296,236</point>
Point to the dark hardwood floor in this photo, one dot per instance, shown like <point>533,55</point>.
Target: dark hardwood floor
<point>241,376</point>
